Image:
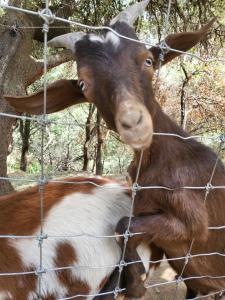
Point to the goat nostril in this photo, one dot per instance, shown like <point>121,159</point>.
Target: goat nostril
<point>140,119</point>
<point>132,120</point>
<point>125,125</point>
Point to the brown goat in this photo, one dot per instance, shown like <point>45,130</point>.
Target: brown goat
<point>116,75</point>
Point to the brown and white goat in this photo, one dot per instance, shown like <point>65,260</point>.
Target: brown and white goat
<point>72,209</point>
<point>116,75</point>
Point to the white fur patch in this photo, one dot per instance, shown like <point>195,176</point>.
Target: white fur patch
<point>32,296</point>
<point>95,38</point>
<point>114,39</point>
<point>96,214</point>
<point>168,274</point>
<point>145,254</point>
<point>110,37</point>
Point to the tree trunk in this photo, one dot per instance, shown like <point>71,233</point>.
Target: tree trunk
<point>182,105</point>
<point>182,97</point>
<point>17,70</point>
<point>25,136</point>
<point>9,44</point>
<point>87,137</point>
<point>99,164</point>
<point>5,135</point>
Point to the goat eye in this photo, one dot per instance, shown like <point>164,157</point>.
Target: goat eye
<point>148,62</point>
<point>82,85</point>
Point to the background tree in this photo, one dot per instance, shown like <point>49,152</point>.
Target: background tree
<point>24,128</point>
<point>21,64</point>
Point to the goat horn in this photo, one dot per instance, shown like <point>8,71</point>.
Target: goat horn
<point>131,13</point>
<point>67,40</point>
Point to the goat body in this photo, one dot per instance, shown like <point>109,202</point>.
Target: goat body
<point>69,210</point>
<point>177,221</point>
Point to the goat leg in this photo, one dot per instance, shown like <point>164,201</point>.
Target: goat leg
<point>134,273</point>
<point>157,227</point>
<point>161,227</point>
<point>190,294</point>
<point>111,285</point>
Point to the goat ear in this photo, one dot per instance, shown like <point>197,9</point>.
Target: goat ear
<point>60,94</point>
<point>181,41</point>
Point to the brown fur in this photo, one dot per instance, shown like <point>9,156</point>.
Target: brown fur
<point>66,257</point>
<point>171,219</point>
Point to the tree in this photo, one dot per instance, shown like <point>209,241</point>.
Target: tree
<point>15,53</point>
<point>16,46</point>
<point>24,128</point>
<point>99,164</point>
<point>21,35</point>
<point>88,134</point>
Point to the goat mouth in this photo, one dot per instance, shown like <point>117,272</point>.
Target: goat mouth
<point>138,143</point>
<point>134,124</point>
<point>138,138</point>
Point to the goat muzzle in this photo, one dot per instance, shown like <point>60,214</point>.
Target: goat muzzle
<point>134,124</point>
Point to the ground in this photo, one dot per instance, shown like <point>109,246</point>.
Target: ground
<point>166,292</point>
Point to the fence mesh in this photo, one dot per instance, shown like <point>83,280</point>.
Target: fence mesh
<point>48,21</point>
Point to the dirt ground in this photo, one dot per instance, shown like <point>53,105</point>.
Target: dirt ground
<point>165,292</point>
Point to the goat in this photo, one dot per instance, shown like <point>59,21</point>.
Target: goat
<point>116,75</point>
<point>79,208</point>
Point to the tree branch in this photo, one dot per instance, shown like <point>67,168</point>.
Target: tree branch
<point>53,61</point>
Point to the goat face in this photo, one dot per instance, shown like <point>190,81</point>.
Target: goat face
<point>112,74</point>
<point>115,74</point>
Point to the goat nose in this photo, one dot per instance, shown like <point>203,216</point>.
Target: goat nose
<point>131,119</point>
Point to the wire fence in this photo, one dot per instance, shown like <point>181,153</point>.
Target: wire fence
<point>43,121</point>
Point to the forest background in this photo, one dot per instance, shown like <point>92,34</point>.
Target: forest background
<point>77,140</point>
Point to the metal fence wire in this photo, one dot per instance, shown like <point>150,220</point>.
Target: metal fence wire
<point>43,121</point>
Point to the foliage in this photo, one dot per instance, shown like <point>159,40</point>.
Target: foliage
<point>2,12</point>
<point>63,149</point>
<point>198,84</point>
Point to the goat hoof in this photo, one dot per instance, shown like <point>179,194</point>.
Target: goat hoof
<point>143,277</point>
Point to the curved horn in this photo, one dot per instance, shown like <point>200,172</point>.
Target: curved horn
<point>131,13</point>
<point>67,40</point>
